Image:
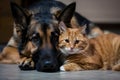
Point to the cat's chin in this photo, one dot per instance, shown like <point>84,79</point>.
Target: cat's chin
<point>67,52</point>
<point>71,52</point>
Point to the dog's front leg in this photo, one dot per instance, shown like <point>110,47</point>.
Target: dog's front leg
<point>26,64</point>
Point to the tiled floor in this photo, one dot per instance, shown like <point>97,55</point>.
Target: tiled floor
<point>12,72</point>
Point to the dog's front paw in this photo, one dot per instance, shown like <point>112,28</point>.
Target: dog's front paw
<point>26,64</point>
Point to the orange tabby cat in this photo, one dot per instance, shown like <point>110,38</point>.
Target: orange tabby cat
<point>81,53</point>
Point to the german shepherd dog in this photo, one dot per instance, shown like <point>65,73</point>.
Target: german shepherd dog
<point>34,38</point>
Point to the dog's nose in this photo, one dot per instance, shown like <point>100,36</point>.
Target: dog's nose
<point>48,65</point>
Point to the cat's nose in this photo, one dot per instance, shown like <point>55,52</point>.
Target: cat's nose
<point>71,48</point>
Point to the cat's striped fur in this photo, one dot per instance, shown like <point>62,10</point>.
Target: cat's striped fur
<point>101,52</point>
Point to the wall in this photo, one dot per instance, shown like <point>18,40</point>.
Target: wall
<point>6,20</point>
<point>99,11</point>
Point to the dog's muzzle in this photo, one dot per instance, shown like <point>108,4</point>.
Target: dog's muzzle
<point>47,61</point>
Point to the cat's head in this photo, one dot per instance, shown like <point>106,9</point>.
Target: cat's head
<point>72,40</point>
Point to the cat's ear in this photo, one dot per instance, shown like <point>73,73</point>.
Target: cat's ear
<point>83,31</point>
<point>62,27</point>
<point>20,16</point>
<point>67,14</point>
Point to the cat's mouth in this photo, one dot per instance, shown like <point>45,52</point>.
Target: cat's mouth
<point>73,51</point>
<point>68,51</point>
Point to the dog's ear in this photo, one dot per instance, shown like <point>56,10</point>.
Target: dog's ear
<point>67,13</point>
<point>62,27</point>
<point>21,16</point>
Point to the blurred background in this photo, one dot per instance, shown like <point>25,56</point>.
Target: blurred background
<point>105,13</point>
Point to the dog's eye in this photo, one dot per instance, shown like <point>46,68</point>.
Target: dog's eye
<point>35,38</point>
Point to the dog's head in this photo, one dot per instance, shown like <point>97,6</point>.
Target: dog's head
<point>38,34</point>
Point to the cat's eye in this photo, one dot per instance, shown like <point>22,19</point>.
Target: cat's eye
<point>77,41</point>
<point>66,40</point>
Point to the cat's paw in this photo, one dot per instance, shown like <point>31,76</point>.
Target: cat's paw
<point>62,68</point>
<point>70,67</point>
<point>26,64</point>
<point>116,67</point>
